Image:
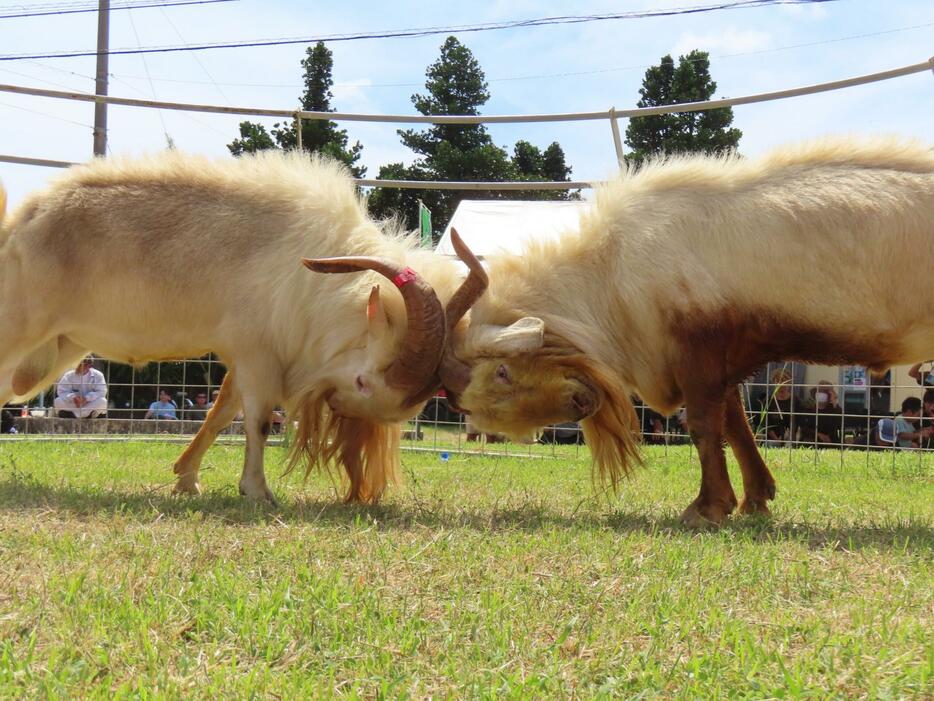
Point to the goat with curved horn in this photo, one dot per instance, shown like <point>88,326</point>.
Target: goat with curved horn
<point>423,343</point>
<point>289,339</point>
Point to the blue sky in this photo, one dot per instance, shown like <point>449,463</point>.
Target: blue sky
<point>563,68</point>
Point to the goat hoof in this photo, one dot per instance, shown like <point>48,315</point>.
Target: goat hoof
<point>187,485</point>
<point>749,505</point>
<point>259,493</point>
<point>698,516</point>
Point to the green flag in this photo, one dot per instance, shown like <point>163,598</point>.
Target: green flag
<point>424,224</point>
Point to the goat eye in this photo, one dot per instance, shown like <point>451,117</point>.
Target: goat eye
<point>502,375</point>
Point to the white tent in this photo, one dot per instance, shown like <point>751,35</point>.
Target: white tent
<point>493,226</point>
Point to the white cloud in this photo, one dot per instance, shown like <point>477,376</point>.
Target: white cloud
<point>351,96</point>
<point>729,40</point>
<point>807,11</point>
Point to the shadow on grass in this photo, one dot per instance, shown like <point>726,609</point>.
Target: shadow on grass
<point>525,513</point>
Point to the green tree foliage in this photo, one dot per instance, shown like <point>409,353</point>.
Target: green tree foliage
<point>253,138</point>
<point>531,163</point>
<point>319,136</point>
<point>456,84</point>
<point>708,131</point>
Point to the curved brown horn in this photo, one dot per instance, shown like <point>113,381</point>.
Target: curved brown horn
<point>416,365</point>
<point>471,289</point>
<point>454,374</point>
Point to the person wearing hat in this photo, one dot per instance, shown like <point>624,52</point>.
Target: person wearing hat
<point>81,392</point>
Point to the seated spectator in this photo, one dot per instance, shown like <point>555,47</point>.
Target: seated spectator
<point>200,408</point>
<point>884,434</point>
<point>214,396</point>
<point>925,378</point>
<point>903,431</point>
<point>164,408</point>
<point>927,418</point>
<point>820,421</point>
<point>7,416</point>
<point>81,392</point>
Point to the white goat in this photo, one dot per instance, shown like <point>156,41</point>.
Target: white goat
<point>175,256</point>
<point>687,276</point>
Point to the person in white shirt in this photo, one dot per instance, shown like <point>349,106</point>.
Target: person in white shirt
<point>82,392</point>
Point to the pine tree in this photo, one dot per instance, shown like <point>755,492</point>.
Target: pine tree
<point>707,131</point>
<point>456,84</point>
<point>532,164</point>
<point>318,136</point>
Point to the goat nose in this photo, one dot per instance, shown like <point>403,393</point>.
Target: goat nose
<point>583,403</point>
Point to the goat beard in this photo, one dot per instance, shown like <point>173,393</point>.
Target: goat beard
<point>368,451</point>
<point>612,432</point>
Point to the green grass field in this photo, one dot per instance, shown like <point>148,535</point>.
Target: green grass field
<point>480,577</point>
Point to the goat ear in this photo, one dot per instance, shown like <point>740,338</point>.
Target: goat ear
<point>377,323</point>
<point>523,336</point>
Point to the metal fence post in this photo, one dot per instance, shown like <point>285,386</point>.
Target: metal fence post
<point>617,142</point>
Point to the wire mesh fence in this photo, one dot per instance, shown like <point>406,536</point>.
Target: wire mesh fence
<point>786,409</point>
<point>101,399</point>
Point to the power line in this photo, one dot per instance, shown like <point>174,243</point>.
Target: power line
<point>430,31</point>
<point>176,3</point>
<point>739,54</point>
<point>546,76</point>
<point>152,87</point>
<point>39,80</point>
<point>46,114</point>
<point>195,57</point>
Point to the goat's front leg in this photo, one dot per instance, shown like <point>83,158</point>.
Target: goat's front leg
<point>259,390</point>
<point>218,418</point>
<point>705,414</point>
<point>758,483</point>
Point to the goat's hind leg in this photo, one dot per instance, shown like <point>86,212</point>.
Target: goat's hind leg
<point>758,483</point>
<point>218,418</point>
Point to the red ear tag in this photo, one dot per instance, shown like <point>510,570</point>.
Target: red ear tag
<point>406,276</point>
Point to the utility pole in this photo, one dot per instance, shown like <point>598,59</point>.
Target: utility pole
<point>100,84</point>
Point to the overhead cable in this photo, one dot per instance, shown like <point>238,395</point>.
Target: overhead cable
<point>96,8</point>
<point>425,31</point>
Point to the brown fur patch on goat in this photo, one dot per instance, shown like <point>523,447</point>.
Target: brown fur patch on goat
<point>742,340</point>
